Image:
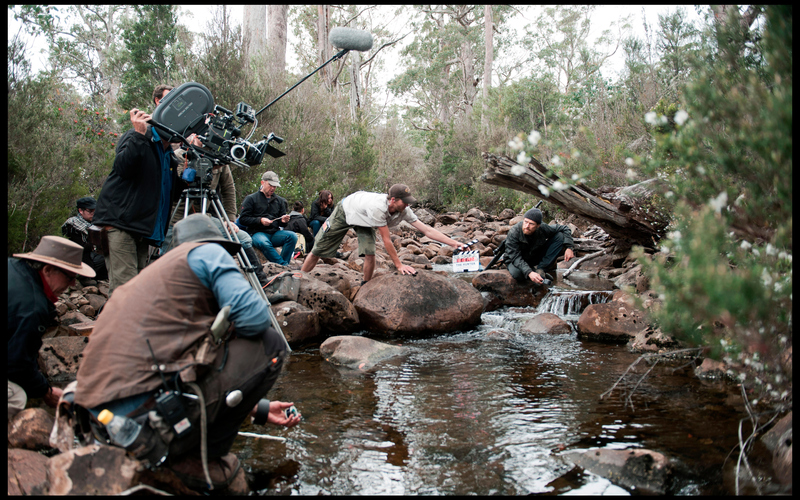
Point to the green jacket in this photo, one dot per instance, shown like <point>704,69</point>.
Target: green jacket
<point>520,247</point>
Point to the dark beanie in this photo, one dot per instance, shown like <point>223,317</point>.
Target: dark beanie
<point>535,215</point>
<point>86,203</point>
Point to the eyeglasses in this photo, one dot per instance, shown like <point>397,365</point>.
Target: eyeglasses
<point>70,276</point>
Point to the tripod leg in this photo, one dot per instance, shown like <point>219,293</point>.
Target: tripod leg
<point>253,258</point>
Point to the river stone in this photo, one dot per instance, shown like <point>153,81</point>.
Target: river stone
<point>614,321</point>
<point>546,323</point>
<point>30,429</point>
<point>336,313</point>
<point>27,473</point>
<point>298,323</point>
<point>92,470</point>
<point>418,304</point>
<point>59,358</point>
<point>647,471</point>
<point>509,292</point>
<point>357,353</point>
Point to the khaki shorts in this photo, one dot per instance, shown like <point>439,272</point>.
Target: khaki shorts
<point>332,232</point>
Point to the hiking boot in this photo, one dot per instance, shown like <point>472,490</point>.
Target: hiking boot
<point>222,470</point>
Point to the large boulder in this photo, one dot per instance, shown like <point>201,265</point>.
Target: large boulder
<point>615,321</point>
<point>298,323</point>
<point>357,353</point>
<point>418,304</point>
<point>92,470</point>
<point>647,471</point>
<point>336,313</point>
<point>59,358</point>
<point>501,289</point>
<point>27,473</point>
<point>30,429</point>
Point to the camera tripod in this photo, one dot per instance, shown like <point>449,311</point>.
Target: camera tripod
<point>209,197</point>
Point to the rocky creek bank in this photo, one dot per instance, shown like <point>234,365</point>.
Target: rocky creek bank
<point>332,305</point>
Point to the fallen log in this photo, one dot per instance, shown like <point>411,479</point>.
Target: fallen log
<point>624,213</point>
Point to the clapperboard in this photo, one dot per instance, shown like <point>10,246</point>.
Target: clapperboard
<point>466,261</point>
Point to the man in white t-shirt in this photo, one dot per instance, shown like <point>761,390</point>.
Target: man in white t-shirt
<point>364,211</point>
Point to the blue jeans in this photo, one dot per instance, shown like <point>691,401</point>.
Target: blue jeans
<point>314,225</point>
<point>267,243</point>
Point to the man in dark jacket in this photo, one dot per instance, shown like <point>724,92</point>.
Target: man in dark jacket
<point>76,230</point>
<point>532,247</point>
<point>35,280</point>
<point>263,214</point>
<point>136,197</point>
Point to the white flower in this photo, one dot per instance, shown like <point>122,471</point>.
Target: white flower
<point>555,160</point>
<point>522,158</point>
<point>517,170</point>
<point>576,154</point>
<point>664,249</point>
<point>575,177</point>
<point>681,116</point>
<point>516,144</point>
<point>669,194</point>
<point>701,170</point>
<point>534,137</point>
<point>771,250</point>
<point>766,278</point>
<point>739,200</point>
<point>674,235</point>
<point>663,120</point>
<point>745,245</point>
<point>559,186</point>
<point>719,202</point>
<point>630,174</point>
<point>629,162</point>
<point>651,118</point>
<point>544,190</point>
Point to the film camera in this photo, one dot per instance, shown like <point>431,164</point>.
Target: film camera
<point>190,109</point>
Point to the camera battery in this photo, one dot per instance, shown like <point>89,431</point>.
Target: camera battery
<point>171,409</point>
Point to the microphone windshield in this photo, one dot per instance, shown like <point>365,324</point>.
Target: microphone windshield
<point>350,39</point>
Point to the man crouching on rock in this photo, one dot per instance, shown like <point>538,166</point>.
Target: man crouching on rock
<point>154,338</point>
<point>364,211</point>
<point>532,247</point>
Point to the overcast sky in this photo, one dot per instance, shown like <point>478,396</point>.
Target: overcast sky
<point>201,14</point>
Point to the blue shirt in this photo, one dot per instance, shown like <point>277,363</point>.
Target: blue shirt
<point>162,216</point>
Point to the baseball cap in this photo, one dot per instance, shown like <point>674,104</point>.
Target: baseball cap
<point>401,192</point>
<point>271,177</point>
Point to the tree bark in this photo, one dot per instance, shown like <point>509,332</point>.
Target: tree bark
<point>323,47</point>
<point>255,23</point>
<point>276,42</point>
<point>355,84</point>
<point>624,213</point>
<point>488,31</point>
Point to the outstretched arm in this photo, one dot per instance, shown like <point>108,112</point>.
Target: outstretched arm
<point>436,235</point>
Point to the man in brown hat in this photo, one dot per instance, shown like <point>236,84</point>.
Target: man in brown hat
<point>35,280</point>
<point>364,211</point>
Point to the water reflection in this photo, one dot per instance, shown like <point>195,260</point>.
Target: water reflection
<point>471,413</point>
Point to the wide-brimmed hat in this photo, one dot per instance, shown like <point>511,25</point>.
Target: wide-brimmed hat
<point>59,252</point>
<point>272,178</point>
<point>401,192</point>
<point>199,227</point>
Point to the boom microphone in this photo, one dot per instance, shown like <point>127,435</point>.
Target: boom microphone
<point>350,39</point>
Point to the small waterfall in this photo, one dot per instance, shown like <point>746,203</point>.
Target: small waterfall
<point>571,302</point>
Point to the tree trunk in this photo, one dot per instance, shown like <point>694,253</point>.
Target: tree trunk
<point>488,31</point>
<point>323,47</point>
<point>255,22</point>
<point>276,42</point>
<point>624,213</point>
<point>355,84</point>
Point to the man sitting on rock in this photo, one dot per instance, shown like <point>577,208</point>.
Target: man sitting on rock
<point>34,283</point>
<point>364,211</point>
<point>532,248</point>
<point>159,323</point>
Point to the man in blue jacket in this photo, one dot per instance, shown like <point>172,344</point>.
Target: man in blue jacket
<point>134,203</point>
<point>35,280</point>
<point>532,247</point>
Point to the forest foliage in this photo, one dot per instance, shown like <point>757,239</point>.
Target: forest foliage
<point>706,106</point>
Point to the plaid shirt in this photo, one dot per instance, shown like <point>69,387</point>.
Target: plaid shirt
<point>75,226</point>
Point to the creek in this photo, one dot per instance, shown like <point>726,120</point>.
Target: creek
<point>489,412</point>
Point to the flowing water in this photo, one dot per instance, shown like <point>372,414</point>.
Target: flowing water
<point>489,412</point>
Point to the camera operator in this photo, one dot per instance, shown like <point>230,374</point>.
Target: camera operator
<point>133,206</point>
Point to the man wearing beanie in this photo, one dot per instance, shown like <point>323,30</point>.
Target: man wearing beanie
<point>532,247</point>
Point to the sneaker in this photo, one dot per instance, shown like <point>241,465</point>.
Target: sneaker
<point>222,471</point>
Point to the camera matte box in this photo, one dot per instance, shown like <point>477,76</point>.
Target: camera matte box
<point>182,109</point>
